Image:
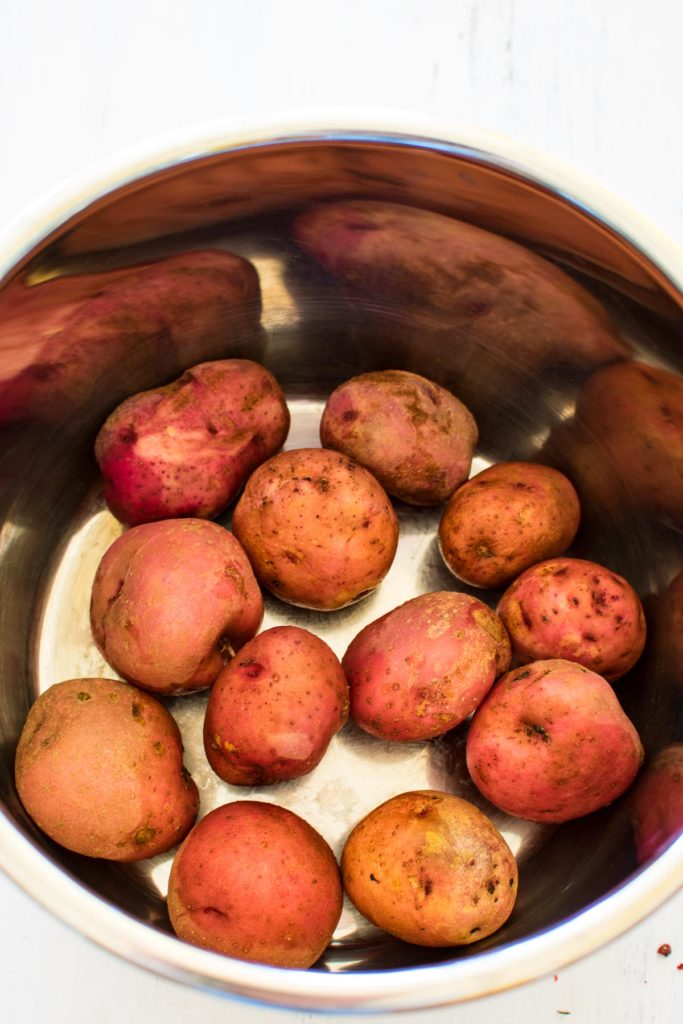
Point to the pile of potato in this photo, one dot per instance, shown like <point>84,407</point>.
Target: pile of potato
<point>176,607</point>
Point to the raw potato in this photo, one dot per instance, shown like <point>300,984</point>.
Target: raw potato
<point>505,519</point>
<point>430,869</point>
<point>172,601</point>
<point>656,803</point>
<point>319,530</point>
<point>70,339</point>
<point>415,437</point>
<point>274,709</point>
<point>187,448</point>
<point>634,414</point>
<point>574,609</point>
<point>550,743</point>
<point>99,768</point>
<point>424,667</point>
<point>256,882</point>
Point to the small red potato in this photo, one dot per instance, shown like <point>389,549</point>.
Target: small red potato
<point>256,882</point>
<point>319,530</point>
<point>574,609</point>
<point>171,601</point>
<point>415,437</point>
<point>505,519</point>
<point>421,669</point>
<point>550,743</point>
<point>274,709</point>
<point>99,768</point>
<point>430,869</point>
<point>656,803</point>
<point>187,448</point>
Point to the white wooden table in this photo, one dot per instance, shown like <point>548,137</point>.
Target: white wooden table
<point>598,83</point>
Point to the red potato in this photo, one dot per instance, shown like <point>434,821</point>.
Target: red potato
<point>505,519</point>
<point>256,882</point>
<point>656,803</point>
<point>99,768</point>
<point>64,341</point>
<point>319,530</point>
<point>550,743</point>
<point>274,709</point>
<point>430,869</point>
<point>424,667</point>
<point>574,609</point>
<point>187,448</point>
<point>415,437</point>
<point>171,600</point>
<point>633,414</point>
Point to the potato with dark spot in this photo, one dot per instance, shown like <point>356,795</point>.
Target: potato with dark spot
<point>256,882</point>
<point>577,610</point>
<point>99,768</point>
<point>505,519</point>
<point>274,709</point>
<point>186,449</point>
<point>172,601</point>
<point>414,436</point>
<point>551,742</point>
<point>422,668</point>
<point>319,530</point>
<point>430,869</point>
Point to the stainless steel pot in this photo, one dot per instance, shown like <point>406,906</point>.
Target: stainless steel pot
<point>239,188</point>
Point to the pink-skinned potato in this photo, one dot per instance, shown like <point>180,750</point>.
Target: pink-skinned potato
<point>186,449</point>
<point>99,768</point>
<point>318,528</point>
<point>550,743</point>
<point>415,437</point>
<point>431,869</point>
<point>256,882</point>
<point>656,802</point>
<point>577,610</point>
<point>63,342</point>
<point>171,601</point>
<point>274,709</point>
<point>505,519</point>
<point>422,668</point>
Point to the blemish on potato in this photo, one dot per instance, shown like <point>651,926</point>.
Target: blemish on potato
<point>144,835</point>
<point>83,696</point>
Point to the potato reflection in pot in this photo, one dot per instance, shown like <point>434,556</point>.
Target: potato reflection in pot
<point>656,803</point>
<point>64,339</point>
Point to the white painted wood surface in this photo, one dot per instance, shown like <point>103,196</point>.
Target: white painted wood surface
<point>597,83</point>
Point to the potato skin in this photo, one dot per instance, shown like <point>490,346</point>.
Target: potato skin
<point>415,437</point>
<point>430,869</point>
<point>274,709</point>
<point>255,881</point>
<point>319,530</point>
<point>99,768</point>
<point>505,519</point>
<point>577,610</point>
<point>656,803</point>
<point>550,743</point>
<point>169,598</point>
<point>187,448</point>
<point>422,668</point>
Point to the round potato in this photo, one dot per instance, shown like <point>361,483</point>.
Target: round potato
<point>171,600</point>
<point>187,448</point>
<point>424,667</point>
<point>430,869</point>
<point>550,743</point>
<point>577,610</point>
<point>415,437</point>
<point>319,530</point>
<point>505,519</point>
<point>99,768</point>
<point>274,709</point>
<point>256,882</point>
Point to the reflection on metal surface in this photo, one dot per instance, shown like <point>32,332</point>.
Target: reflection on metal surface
<point>94,315</point>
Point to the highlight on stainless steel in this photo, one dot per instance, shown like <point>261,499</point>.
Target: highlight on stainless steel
<point>555,315</point>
